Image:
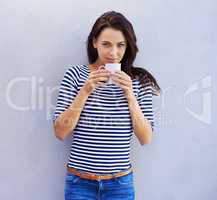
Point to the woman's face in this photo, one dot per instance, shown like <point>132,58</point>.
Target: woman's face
<point>111,46</point>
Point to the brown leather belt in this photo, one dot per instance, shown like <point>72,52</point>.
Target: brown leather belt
<point>93,176</point>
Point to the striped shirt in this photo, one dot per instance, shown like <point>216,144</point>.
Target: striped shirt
<point>102,137</point>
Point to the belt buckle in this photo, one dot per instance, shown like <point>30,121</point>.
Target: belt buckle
<point>99,177</point>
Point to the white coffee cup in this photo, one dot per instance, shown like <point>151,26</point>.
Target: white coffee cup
<point>112,67</point>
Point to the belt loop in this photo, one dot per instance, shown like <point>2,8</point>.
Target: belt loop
<point>99,178</point>
<point>113,175</point>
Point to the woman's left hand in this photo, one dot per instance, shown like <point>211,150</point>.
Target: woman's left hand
<point>124,81</point>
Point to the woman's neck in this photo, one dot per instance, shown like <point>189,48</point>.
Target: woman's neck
<point>95,65</point>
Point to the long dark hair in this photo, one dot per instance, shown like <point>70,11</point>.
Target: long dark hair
<point>119,22</point>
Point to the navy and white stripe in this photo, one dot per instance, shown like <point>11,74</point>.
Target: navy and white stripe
<point>102,136</point>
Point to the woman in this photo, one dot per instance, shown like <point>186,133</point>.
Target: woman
<point>102,117</point>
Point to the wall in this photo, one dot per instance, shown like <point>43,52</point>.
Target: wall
<point>40,39</point>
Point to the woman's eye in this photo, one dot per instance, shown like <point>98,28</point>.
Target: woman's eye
<point>121,45</point>
<point>107,45</point>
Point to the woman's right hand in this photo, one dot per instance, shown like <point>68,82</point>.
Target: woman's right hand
<point>96,78</point>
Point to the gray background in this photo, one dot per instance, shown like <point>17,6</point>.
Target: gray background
<point>39,40</point>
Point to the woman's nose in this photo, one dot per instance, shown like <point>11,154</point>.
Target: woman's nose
<point>114,52</point>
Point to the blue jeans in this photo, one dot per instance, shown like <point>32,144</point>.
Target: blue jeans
<point>120,188</point>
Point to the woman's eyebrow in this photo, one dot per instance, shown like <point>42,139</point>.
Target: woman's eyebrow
<point>110,42</point>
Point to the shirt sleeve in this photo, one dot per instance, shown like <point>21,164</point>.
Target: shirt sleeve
<point>67,91</point>
<point>145,100</point>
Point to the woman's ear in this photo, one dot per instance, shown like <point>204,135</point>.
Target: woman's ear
<point>94,42</point>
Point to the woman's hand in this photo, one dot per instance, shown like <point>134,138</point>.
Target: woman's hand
<point>96,78</point>
<point>124,81</point>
